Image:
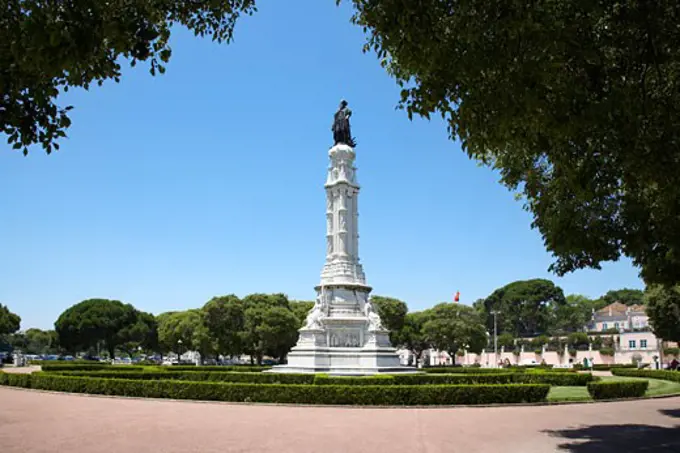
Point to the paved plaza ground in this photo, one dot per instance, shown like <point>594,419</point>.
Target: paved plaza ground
<point>32,421</point>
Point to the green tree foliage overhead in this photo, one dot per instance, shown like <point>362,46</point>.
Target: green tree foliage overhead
<point>48,47</point>
<point>94,321</point>
<point>454,327</point>
<point>392,313</point>
<point>576,104</point>
<point>224,318</point>
<point>663,309</point>
<point>524,307</point>
<point>9,322</point>
<point>625,296</point>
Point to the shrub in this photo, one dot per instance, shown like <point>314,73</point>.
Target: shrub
<point>563,379</point>
<point>67,362</point>
<point>241,368</point>
<point>88,366</point>
<point>215,376</point>
<point>419,379</point>
<point>472,370</point>
<point>652,374</point>
<point>612,367</point>
<point>304,394</point>
<point>613,390</point>
<point>607,351</point>
<point>559,379</point>
<point>672,351</point>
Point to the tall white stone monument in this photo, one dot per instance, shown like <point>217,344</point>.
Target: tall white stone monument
<point>343,333</point>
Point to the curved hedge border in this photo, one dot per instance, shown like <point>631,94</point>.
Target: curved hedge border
<point>561,379</point>
<point>652,374</point>
<point>614,390</point>
<point>378,395</point>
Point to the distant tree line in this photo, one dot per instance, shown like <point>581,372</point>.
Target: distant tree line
<point>266,325</point>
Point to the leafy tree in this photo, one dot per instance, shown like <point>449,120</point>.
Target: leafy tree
<point>301,308</point>
<point>576,104</point>
<point>142,334</point>
<point>182,331</point>
<point>92,321</point>
<point>625,296</point>
<point>574,314</point>
<point>40,342</point>
<point>454,327</point>
<point>525,307</point>
<point>279,331</point>
<point>578,340</point>
<point>412,336</point>
<point>505,340</point>
<point>49,47</point>
<point>268,328</point>
<point>663,309</point>
<point>9,322</point>
<point>392,313</point>
<point>202,341</point>
<point>224,318</point>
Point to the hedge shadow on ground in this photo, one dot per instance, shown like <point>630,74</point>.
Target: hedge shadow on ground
<point>671,412</point>
<point>619,438</point>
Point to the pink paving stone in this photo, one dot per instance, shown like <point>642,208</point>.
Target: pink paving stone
<point>32,422</point>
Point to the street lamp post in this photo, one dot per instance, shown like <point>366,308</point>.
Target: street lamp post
<point>495,339</point>
<point>179,351</point>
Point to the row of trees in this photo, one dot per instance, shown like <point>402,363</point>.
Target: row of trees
<point>534,307</point>
<point>257,325</point>
<point>267,324</point>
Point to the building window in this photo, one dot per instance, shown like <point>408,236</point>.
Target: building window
<point>616,325</point>
<point>604,326</point>
<point>631,344</point>
<point>643,344</point>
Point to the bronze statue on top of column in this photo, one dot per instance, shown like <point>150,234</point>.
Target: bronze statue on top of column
<point>340,128</point>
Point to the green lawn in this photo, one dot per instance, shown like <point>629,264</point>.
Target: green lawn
<point>656,387</point>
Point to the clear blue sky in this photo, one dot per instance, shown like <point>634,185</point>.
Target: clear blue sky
<point>209,180</point>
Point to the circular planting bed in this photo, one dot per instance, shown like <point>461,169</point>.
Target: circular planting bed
<point>455,386</point>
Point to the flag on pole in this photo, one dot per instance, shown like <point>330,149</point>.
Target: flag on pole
<point>456,298</point>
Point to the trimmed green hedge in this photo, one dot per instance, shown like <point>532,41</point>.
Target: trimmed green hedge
<point>241,368</point>
<point>470,370</point>
<point>609,390</point>
<point>67,362</point>
<point>278,393</point>
<point>562,379</point>
<point>215,376</point>
<point>652,374</point>
<point>612,367</point>
<point>89,366</point>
